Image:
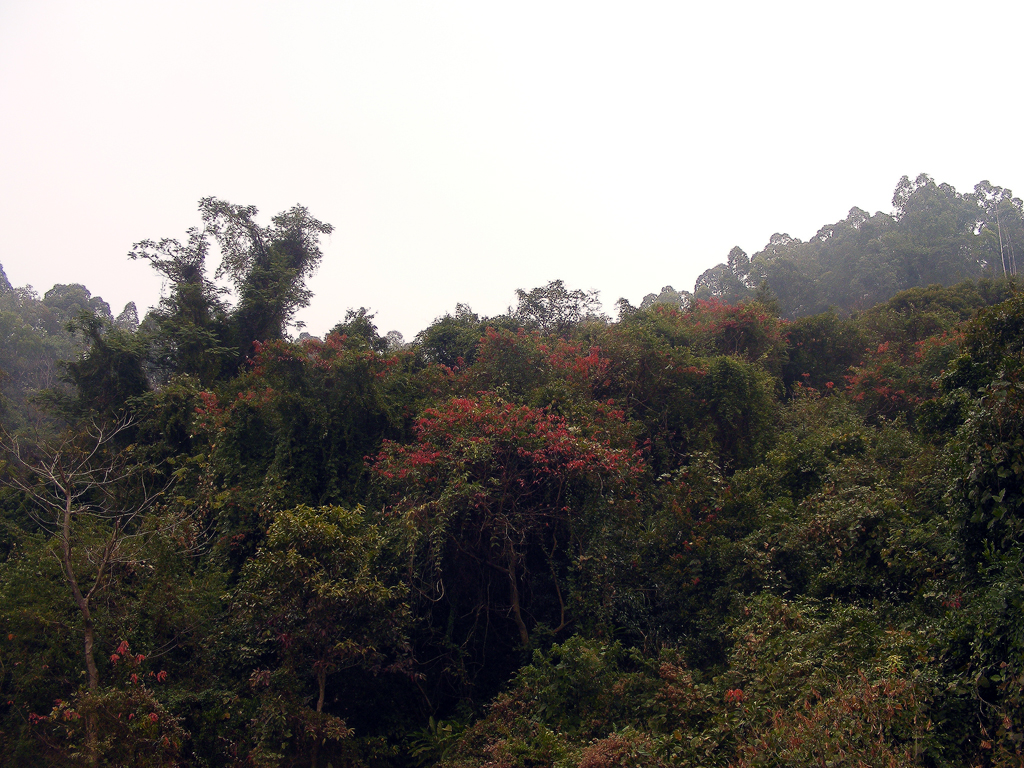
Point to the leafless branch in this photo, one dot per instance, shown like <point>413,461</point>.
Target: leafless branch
<point>83,474</point>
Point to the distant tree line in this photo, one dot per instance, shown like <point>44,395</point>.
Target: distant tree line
<point>934,234</point>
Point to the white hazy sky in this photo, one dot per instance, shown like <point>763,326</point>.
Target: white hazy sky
<point>466,149</point>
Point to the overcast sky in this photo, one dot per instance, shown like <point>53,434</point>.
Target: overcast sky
<point>466,149</point>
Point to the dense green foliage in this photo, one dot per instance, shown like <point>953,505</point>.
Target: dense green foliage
<point>934,235</point>
<point>776,522</point>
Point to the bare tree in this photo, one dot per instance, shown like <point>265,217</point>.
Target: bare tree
<point>79,480</point>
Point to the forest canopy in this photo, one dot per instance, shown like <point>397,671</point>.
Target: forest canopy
<point>777,520</point>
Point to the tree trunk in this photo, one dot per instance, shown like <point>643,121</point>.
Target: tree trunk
<point>82,602</point>
<point>94,683</point>
<point>79,476</point>
<point>517,613</point>
<point>90,661</point>
<point>321,679</point>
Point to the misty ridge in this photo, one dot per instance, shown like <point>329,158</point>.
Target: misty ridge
<point>774,520</point>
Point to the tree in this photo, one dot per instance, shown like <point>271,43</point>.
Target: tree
<point>69,301</point>
<point>932,239</point>
<point>128,320</point>
<point>739,262</point>
<point>669,295</point>
<point>555,309</point>
<point>452,340</point>
<point>497,500</point>
<point>1000,227</point>
<point>191,335</point>
<point>37,338</point>
<point>789,268</point>
<point>728,282</point>
<point>317,595</point>
<point>294,429</point>
<point>110,372</point>
<point>268,265</point>
<point>358,325</point>
<point>91,500</point>
<point>855,268</point>
<point>28,358</point>
<point>990,487</point>
<point>395,341</point>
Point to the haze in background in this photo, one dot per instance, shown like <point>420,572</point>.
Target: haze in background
<point>465,149</point>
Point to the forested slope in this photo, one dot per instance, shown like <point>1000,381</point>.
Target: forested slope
<point>732,529</point>
<point>933,234</point>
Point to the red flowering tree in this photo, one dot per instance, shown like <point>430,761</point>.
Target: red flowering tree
<point>497,499</point>
<point>890,382</point>
<point>131,727</point>
<point>749,330</point>
<point>532,368</point>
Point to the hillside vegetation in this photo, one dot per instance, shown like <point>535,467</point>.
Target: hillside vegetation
<point>777,521</point>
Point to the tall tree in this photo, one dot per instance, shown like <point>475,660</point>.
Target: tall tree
<point>268,265</point>
<point>727,282</point>
<point>668,295</point>
<point>69,301</point>
<point>932,238</point>
<point>1000,227</point>
<point>191,318</point>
